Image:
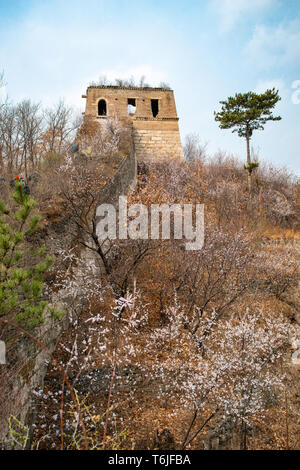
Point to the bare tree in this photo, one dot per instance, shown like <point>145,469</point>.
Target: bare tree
<point>30,126</point>
<point>193,149</point>
<point>234,378</point>
<point>10,137</point>
<point>58,127</point>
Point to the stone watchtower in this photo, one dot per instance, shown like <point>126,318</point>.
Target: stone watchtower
<point>152,112</point>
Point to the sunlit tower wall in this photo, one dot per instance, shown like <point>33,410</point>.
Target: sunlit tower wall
<point>152,112</point>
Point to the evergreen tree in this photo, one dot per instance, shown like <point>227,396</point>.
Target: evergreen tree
<point>248,112</point>
<point>21,272</point>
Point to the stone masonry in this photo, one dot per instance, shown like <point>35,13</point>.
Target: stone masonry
<point>152,112</point>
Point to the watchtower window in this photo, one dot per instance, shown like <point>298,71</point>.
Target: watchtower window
<point>131,108</point>
<point>154,107</point>
<point>102,111</point>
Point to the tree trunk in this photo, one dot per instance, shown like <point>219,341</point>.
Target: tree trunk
<point>244,436</point>
<point>1,161</point>
<point>248,146</point>
<point>248,160</point>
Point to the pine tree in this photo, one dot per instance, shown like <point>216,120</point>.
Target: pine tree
<point>21,281</point>
<point>248,112</point>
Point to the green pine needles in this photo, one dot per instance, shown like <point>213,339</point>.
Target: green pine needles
<point>247,112</point>
<point>22,272</point>
<point>251,166</point>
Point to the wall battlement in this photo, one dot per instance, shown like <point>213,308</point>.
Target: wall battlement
<point>152,112</point>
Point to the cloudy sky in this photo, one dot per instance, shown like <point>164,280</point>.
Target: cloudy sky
<point>206,49</point>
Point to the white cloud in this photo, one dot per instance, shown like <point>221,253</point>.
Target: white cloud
<point>275,45</point>
<point>232,11</point>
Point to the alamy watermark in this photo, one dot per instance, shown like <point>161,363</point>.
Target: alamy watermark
<point>296,94</point>
<point>138,222</point>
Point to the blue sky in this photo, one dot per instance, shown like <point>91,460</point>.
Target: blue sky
<point>206,49</point>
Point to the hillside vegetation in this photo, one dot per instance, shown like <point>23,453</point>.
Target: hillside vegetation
<point>171,349</point>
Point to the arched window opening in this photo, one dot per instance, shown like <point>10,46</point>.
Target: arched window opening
<point>102,108</point>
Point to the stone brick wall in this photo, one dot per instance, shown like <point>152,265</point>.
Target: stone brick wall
<point>24,371</point>
<point>26,362</point>
<point>154,136</point>
<point>117,100</point>
<point>124,180</point>
<point>157,140</point>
